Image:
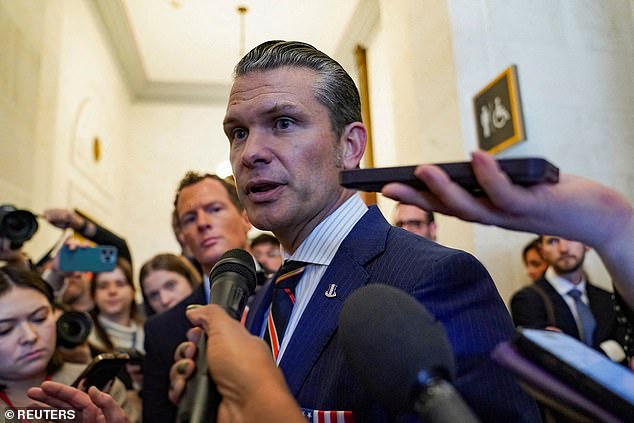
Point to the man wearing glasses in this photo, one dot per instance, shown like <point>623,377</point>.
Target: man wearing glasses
<point>415,220</point>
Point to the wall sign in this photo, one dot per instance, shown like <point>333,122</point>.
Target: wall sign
<point>498,113</point>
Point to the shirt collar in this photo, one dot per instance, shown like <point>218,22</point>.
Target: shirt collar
<point>563,285</point>
<point>322,243</point>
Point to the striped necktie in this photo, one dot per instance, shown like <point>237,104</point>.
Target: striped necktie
<point>587,323</point>
<point>282,303</point>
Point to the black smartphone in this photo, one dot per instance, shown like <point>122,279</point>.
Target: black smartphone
<point>101,370</point>
<point>102,258</point>
<point>522,171</point>
<point>582,368</point>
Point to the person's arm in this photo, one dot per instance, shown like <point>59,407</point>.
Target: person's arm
<point>251,385</point>
<point>64,218</point>
<point>575,208</point>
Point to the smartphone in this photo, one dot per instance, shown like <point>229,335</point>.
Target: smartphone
<point>582,368</point>
<point>101,258</point>
<point>101,370</point>
<point>522,171</point>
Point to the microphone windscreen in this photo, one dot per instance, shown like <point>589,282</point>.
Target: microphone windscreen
<point>387,338</point>
<point>238,261</point>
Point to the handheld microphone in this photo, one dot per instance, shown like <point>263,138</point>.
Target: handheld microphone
<point>232,281</point>
<point>401,355</point>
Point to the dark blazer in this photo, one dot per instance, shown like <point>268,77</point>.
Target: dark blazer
<point>451,284</point>
<point>163,333</point>
<point>528,310</point>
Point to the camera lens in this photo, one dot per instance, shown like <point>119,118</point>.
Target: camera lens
<point>17,225</point>
<point>73,328</point>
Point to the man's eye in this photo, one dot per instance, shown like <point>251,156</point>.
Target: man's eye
<point>283,123</point>
<point>238,134</point>
<point>186,220</point>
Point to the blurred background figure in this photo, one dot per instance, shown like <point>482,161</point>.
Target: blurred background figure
<point>533,261</point>
<point>266,250</point>
<point>117,326</point>
<point>166,279</point>
<point>415,220</point>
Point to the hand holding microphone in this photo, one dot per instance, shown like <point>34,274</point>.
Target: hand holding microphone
<point>232,280</point>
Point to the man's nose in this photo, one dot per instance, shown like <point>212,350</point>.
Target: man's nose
<point>256,149</point>
<point>563,245</point>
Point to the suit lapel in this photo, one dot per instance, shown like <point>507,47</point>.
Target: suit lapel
<point>319,321</point>
<point>258,308</point>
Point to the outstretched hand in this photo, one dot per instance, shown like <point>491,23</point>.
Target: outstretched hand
<point>575,208</point>
<point>94,406</point>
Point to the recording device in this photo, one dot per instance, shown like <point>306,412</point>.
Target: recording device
<point>18,226</point>
<point>102,258</point>
<point>73,328</point>
<point>581,368</point>
<point>232,281</point>
<point>400,354</point>
<point>101,370</point>
<point>521,171</point>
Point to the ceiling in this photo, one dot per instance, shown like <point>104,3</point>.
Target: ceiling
<point>185,50</point>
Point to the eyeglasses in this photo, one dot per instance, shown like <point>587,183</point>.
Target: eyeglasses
<point>411,223</point>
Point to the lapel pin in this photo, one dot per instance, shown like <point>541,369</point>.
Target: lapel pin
<point>331,292</point>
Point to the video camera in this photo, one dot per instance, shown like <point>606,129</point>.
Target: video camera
<point>18,226</point>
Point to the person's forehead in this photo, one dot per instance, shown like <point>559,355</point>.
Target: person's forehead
<point>18,301</point>
<point>406,209</point>
<point>202,192</point>
<point>264,245</point>
<point>271,85</point>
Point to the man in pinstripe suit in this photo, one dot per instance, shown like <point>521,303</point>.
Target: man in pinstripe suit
<point>293,122</point>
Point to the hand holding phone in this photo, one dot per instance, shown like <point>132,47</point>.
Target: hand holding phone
<point>102,258</point>
<point>104,368</point>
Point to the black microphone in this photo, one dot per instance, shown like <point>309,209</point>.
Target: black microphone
<point>232,281</point>
<point>401,354</point>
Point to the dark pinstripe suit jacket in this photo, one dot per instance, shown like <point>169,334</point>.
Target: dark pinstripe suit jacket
<point>453,286</point>
<point>528,310</point>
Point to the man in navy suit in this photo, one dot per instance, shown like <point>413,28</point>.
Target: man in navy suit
<point>212,221</point>
<point>548,303</point>
<point>293,123</point>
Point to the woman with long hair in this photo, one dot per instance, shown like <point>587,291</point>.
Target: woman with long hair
<point>117,325</point>
<point>28,337</point>
<point>166,280</point>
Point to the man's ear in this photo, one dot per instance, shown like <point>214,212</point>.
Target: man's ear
<point>354,141</point>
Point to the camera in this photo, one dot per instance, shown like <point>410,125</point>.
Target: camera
<point>18,226</point>
<point>73,328</point>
